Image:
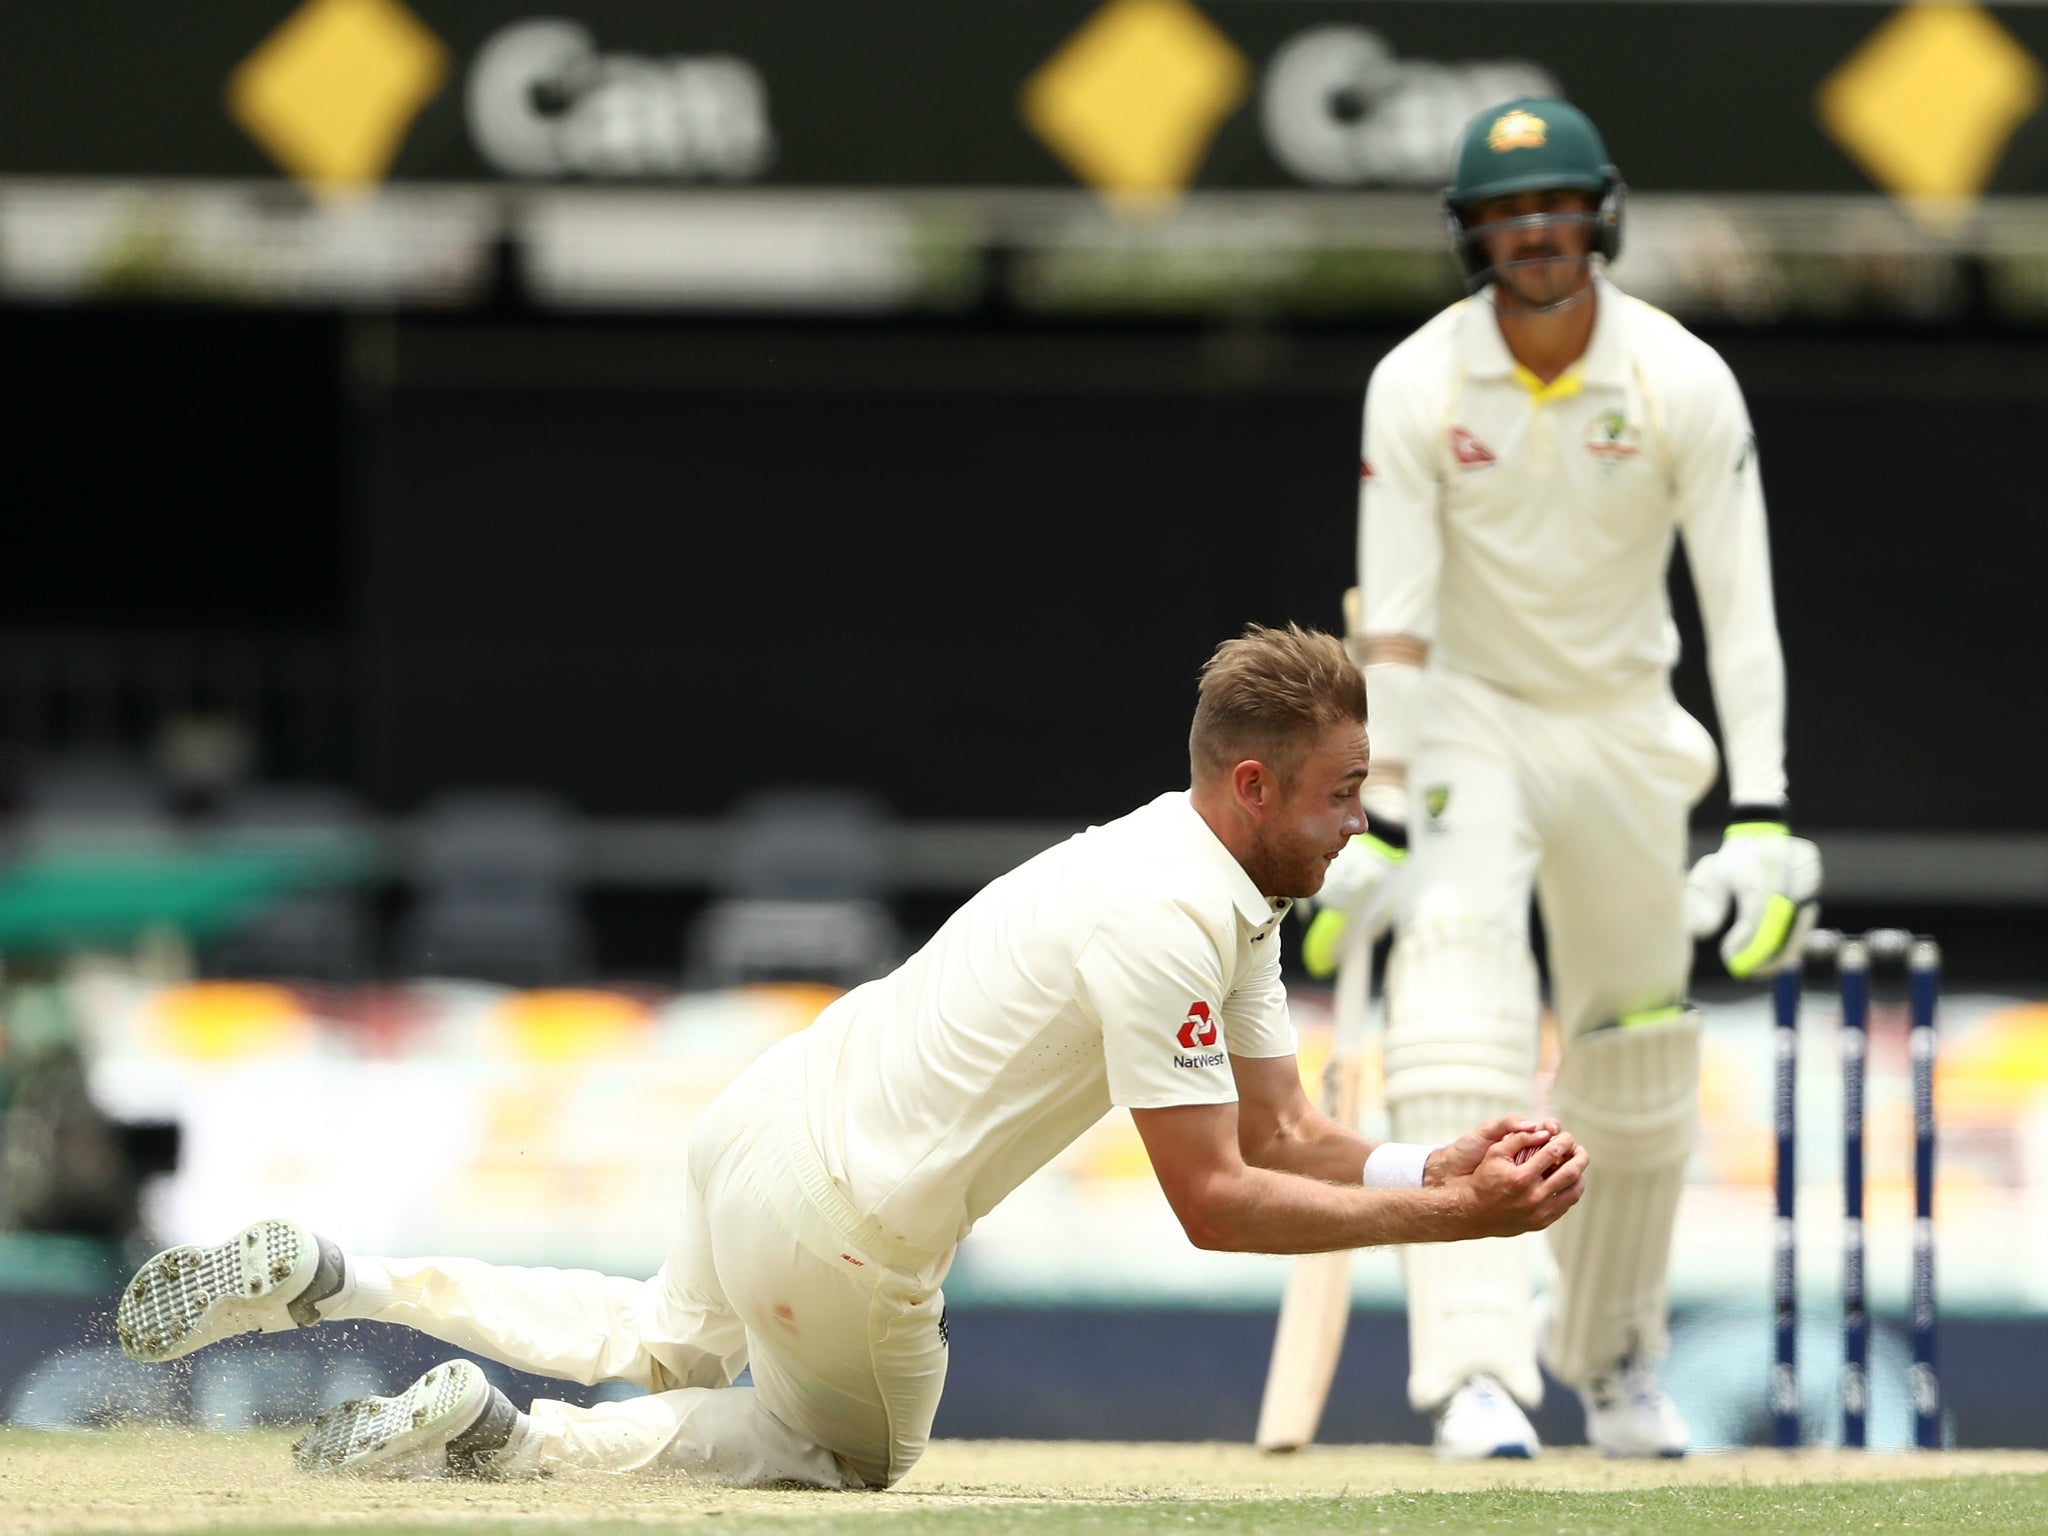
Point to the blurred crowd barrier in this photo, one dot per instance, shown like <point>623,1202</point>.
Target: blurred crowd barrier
<point>549,1126</point>
<point>539,1126</point>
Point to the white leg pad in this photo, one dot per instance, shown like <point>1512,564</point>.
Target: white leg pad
<point>1460,1049</point>
<point>1630,1095</point>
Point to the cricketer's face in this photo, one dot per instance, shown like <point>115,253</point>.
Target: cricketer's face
<point>1537,243</point>
<point>1313,815</point>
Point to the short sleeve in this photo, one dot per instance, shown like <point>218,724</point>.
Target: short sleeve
<point>1155,981</point>
<point>1255,1014</point>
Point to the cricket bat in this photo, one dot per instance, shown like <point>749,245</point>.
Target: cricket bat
<point>1317,1306</point>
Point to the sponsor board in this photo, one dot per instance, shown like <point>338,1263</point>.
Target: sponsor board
<point>1155,96</point>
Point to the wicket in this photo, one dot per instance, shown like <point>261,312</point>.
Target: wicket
<point>1853,955</point>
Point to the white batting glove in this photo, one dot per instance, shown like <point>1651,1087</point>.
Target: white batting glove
<point>1772,881</point>
<point>1357,879</point>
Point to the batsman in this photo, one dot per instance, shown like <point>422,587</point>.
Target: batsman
<point>1530,455</point>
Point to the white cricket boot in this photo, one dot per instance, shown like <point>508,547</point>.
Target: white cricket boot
<point>1481,1420</point>
<point>451,1423</point>
<point>1628,1414</point>
<point>267,1278</point>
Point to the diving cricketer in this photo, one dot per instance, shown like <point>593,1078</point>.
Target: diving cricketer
<point>1136,964</point>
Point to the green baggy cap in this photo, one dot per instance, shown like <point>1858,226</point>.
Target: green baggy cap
<point>1531,144</point>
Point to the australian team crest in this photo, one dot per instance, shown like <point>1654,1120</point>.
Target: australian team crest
<point>1612,439</point>
<point>1517,130</point>
<point>1434,799</point>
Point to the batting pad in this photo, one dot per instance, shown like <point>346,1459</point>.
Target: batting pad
<point>1461,1017</point>
<point>1630,1093</point>
<point>1460,1049</point>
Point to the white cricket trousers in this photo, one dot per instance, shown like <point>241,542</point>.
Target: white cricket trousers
<point>771,1267</point>
<point>1586,809</point>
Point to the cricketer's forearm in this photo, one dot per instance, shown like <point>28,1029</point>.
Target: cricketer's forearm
<point>1313,1146</point>
<point>1267,1210</point>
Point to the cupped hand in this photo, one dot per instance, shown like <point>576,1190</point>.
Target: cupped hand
<point>1522,1182</point>
<point>1461,1158</point>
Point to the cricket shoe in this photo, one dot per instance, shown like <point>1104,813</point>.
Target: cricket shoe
<point>1628,1414</point>
<point>267,1278</point>
<point>1481,1421</point>
<point>451,1423</point>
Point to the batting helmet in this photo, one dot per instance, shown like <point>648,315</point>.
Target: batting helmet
<point>1532,144</point>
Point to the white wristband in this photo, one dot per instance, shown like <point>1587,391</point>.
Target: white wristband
<point>1396,1165</point>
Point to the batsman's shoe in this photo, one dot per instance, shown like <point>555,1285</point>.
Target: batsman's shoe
<point>267,1278</point>
<point>1481,1421</point>
<point>1628,1414</point>
<point>451,1423</point>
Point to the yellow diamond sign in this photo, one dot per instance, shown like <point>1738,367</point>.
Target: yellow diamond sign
<point>331,94</point>
<point>1131,101</point>
<point>1927,105</point>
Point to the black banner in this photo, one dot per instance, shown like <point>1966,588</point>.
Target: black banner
<point>1238,94</point>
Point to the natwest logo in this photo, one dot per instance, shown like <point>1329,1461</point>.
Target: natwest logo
<point>1197,1028</point>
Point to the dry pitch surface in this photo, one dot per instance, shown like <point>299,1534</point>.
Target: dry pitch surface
<point>161,1480</point>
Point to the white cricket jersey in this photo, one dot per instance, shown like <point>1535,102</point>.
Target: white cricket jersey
<point>1525,530</point>
<point>1120,967</point>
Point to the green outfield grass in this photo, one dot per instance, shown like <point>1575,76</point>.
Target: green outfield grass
<point>1994,1505</point>
<point>161,1481</point>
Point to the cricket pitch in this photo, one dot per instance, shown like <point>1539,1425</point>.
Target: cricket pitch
<point>161,1480</point>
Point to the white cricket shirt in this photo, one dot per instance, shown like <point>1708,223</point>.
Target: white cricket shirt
<point>1525,530</point>
<point>1120,967</point>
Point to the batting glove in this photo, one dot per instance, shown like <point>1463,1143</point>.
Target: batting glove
<point>1772,881</point>
<point>1355,883</point>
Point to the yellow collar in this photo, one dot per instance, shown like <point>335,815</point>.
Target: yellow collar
<point>1563,387</point>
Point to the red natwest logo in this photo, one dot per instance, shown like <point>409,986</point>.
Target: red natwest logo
<point>1468,450</point>
<point>1198,1028</point>
<point>1365,469</point>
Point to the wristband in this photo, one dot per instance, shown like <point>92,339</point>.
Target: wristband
<point>1776,817</point>
<point>1396,1165</point>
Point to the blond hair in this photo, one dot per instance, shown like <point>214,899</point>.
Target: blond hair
<point>1268,694</point>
